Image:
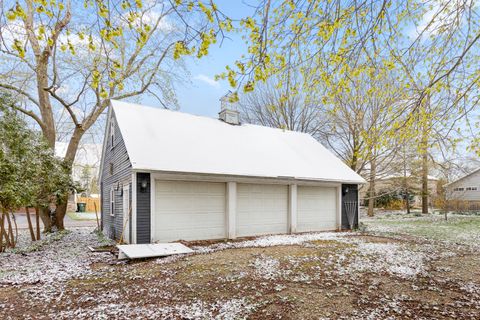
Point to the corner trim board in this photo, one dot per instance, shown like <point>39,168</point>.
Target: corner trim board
<point>134,207</point>
<point>152,208</point>
<point>292,208</point>
<point>231,209</point>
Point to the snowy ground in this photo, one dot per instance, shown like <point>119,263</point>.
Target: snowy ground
<point>456,229</point>
<point>308,276</point>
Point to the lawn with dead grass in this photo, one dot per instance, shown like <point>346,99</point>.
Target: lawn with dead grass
<point>382,275</point>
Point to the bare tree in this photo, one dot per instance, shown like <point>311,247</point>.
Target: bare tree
<point>274,106</point>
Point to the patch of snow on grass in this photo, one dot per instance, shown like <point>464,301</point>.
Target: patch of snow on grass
<point>277,240</point>
<point>266,268</point>
<point>387,257</point>
<point>471,288</point>
<point>222,310</point>
<point>60,260</point>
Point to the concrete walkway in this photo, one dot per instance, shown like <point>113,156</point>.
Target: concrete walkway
<point>22,223</point>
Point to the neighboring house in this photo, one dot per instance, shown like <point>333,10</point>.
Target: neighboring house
<point>167,175</point>
<point>464,193</point>
<point>394,184</point>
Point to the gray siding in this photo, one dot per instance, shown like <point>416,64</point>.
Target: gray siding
<point>122,176</point>
<point>473,180</point>
<point>143,209</point>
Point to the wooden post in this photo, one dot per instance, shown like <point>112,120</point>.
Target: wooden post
<point>96,215</point>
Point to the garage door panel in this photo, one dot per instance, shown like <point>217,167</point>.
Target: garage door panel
<point>316,209</point>
<point>189,210</point>
<point>261,209</point>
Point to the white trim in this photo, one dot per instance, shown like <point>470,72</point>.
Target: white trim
<point>184,176</point>
<point>339,207</point>
<point>112,201</point>
<point>152,208</point>
<point>358,210</point>
<point>231,209</point>
<point>134,207</point>
<point>111,135</point>
<point>105,142</point>
<point>292,208</point>
<point>126,211</point>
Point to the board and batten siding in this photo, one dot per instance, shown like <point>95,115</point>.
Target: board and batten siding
<point>122,176</point>
<point>143,209</point>
<point>472,180</point>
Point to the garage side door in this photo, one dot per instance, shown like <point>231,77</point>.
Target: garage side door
<point>261,209</point>
<point>316,209</point>
<point>189,210</point>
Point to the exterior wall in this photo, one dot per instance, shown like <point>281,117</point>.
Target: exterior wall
<point>472,180</point>
<point>143,208</point>
<point>350,197</point>
<point>122,175</point>
<point>146,201</point>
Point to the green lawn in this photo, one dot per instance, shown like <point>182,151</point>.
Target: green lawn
<point>82,216</point>
<point>457,228</point>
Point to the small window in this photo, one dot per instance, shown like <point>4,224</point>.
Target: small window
<point>112,133</point>
<point>458,189</point>
<point>112,202</point>
<point>111,168</point>
<point>471,188</point>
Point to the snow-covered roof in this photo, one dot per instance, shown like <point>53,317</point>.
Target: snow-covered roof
<point>170,141</point>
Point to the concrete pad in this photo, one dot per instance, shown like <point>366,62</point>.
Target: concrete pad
<point>138,251</point>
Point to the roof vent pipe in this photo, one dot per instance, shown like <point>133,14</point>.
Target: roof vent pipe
<point>228,112</point>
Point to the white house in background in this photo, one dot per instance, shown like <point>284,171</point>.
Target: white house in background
<point>167,175</point>
<point>88,155</point>
<point>466,188</point>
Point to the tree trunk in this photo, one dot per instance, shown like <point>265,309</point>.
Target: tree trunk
<point>37,220</point>
<point>30,226</point>
<point>16,227</point>
<point>72,148</point>
<point>10,229</point>
<point>1,231</point>
<point>48,128</point>
<point>425,182</point>
<point>60,213</point>
<point>405,182</point>
<point>424,145</point>
<point>371,191</point>
<point>47,221</point>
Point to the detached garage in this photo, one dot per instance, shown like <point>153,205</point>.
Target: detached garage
<point>168,176</point>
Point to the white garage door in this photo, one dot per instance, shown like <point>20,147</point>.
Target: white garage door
<point>189,210</point>
<point>261,209</point>
<point>316,209</point>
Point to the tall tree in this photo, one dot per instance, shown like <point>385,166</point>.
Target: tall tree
<point>434,44</point>
<point>71,58</point>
